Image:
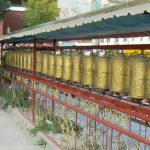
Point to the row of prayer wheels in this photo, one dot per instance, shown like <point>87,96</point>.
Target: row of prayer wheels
<point>117,74</point>
<point>19,59</point>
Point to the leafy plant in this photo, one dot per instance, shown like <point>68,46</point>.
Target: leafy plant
<point>41,142</point>
<point>40,11</point>
<point>4,7</point>
<point>7,94</point>
<point>15,97</point>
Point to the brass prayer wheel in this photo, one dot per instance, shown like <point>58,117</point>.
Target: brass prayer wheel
<point>13,58</point>
<point>17,59</point>
<point>58,66</point>
<point>147,84</point>
<point>87,70</point>
<point>101,73</point>
<point>21,60</point>
<point>24,60</point>
<point>51,63</point>
<point>38,62</point>
<point>9,58</point>
<point>127,75</point>
<point>137,78</point>
<point>44,62</point>
<point>29,65</point>
<point>117,74</point>
<point>75,68</point>
<point>6,58</point>
<point>66,67</point>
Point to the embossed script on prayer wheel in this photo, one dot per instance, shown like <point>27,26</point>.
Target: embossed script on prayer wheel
<point>38,62</point>
<point>127,74</point>
<point>147,84</point>
<point>29,61</point>
<point>21,60</point>
<point>87,70</point>
<point>51,63</point>
<point>15,59</point>
<point>24,61</point>
<point>66,67</point>
<point>9,58</point>
<point>44,62</point>
<point>137,78</point>
<point>101,73</point>
<point>75,69</point>
<point>117,74</point>
<point>58,66</point>
<point>6,58</point>
<point>17,63</point>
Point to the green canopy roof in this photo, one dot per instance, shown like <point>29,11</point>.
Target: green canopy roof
<point>134,17</point>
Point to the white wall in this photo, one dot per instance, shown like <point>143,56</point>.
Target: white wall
<point>71,8</point>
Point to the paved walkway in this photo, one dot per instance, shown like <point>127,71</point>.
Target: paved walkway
<point>12,137</point>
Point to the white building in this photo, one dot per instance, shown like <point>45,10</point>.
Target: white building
<point>69,8</point>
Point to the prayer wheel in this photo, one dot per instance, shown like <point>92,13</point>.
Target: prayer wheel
<point>13,58</point>
<point>101,73</point>
<point>87,70</point>
<point>9,58</point>
<point>6,58</point>
<point>51,63</point>
<point>45,63</point>
<point>147,84</point>
<point>66,67</point>
<point>117,74</point>
<point>58,66</point>
<point>17,60</point>
<point>38,62</point>
<point>137,78</point>
<point>21,60</point>
<point>127,74</point>
<point>29,65</point>
<point>75,69</point>
<point>24,60</point>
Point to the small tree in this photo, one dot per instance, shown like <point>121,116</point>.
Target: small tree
<point>40,11</point>
<point>4,4</point>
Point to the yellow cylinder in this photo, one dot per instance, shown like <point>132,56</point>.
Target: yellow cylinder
<point>24,61</point>
<point>127,75</point>
<point>6,58</point>
<point>58,66</point>
<point>147,85</point>
<point>66,67</point>
<point>17,63</point>
<point>15,59</point>
<point>75,69</point>
<point>101,73</point>
<point>44,62</point>
<point>38,62</point>
<point>9,58</point>
<point>137,78</point>
<point>51,63</point>
<point>29,61</point>
<point>87,70</point>
<point>118,74</point>
<point>21,60</point>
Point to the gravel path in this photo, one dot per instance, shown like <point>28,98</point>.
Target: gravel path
<point>12,137</point>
